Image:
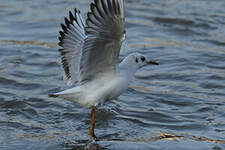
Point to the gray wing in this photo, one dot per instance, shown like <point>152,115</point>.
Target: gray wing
<point>71,40</point>
<point>105,30</point>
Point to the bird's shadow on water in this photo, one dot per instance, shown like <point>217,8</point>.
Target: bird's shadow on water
<point>83,145</point>
<point>92,145</point>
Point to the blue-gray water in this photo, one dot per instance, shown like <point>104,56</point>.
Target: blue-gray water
<point>179,104</point>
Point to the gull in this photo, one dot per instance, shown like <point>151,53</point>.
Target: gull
<point>89,56</point>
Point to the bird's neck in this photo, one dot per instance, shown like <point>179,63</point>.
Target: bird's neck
<point>127,70</point>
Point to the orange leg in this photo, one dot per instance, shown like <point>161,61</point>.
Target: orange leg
<point>91,130</point>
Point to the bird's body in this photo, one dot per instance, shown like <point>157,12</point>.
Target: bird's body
<point>106,86</point>
<point>89,55</point>
<point>96,92</point>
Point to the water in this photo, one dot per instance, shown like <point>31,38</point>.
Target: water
<point>179,104</point>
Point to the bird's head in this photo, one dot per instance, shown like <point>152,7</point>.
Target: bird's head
<point>141,60</point>
<point>133,62</point>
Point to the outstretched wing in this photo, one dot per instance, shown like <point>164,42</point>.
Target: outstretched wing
<point>105,30</point>
<point>71,40</point>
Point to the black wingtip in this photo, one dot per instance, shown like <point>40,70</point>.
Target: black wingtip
<point>67,22</point>
<point>71,16</point>
<point>61,34</point>
<point>60,43</point>
<point>78,11</point>
<point>60,38</point>
<point>92,6</point>
<point>64,27</point>
<point>75,10</point>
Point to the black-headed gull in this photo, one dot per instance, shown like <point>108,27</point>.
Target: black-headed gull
<point>89,55</point>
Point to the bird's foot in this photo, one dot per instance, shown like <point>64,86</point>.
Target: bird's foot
<point>92,135</point>
<point>94,138</point>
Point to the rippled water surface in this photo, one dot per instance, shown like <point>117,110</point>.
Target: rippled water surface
<point>179,104</point>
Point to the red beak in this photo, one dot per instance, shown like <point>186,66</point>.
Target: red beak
<point>152,63</point>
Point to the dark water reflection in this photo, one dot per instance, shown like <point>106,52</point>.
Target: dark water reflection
<point>179,104</point>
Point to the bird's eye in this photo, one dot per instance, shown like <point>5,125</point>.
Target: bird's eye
<point>136,60</point>
<point>142,58</point>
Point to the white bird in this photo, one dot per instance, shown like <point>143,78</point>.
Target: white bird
<point>89,56</point>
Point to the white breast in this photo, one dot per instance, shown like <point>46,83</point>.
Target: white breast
<point>103,89</point>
